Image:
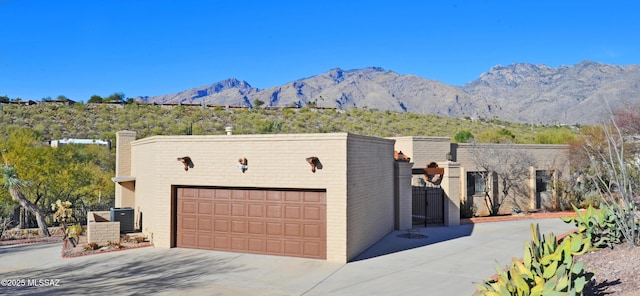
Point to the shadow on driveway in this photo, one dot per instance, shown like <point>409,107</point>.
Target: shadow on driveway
<point>401,240</point>
<point>149,271</point>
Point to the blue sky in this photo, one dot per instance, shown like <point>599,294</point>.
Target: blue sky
<point>155,47</point>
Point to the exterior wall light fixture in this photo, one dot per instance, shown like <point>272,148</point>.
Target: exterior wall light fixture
<point>315,163</point>
<point>243,164</point>
<point>186,161</point>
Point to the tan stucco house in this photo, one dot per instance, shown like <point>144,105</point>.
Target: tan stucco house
<point>550,162</point>
<point>260,194</point>
<point>325,196</point>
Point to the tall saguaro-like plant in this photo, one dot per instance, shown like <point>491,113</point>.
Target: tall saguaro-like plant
<point>13,184</point>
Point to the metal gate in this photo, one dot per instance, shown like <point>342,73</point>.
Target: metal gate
<point>427,205</point>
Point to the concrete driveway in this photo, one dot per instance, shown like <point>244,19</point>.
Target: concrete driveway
<point>445,262</point>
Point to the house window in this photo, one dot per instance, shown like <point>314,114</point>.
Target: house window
<point>476,183</point>
<point>544,181</point>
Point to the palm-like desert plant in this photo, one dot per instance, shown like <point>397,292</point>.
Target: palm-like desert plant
<point>13,184</point>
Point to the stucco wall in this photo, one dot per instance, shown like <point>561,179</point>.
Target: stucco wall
<point>274,161</point>
<point>124,191</point>
<point>547,157</point>
<point>370,202</point>
<point>423,150</point>
<point>101,230</point>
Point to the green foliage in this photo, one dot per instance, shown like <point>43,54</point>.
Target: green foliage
<point>115,98</point>
<point>548,268</point>
<point>54,121</point>
<point>467,209</point>
<point>270,127</point>
<point>599,226</point>
<point>463,136</point>
<point>506,133</point>
<point>95,99</point>
<point>257,103</point>
<point>76,173</point>
<point>555,136</point>
<point>9,177</point>
<point>501,135</point>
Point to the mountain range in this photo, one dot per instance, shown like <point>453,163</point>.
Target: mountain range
<point>521,92</point>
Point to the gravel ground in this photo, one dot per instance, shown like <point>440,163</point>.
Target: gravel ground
<point>616,271</point>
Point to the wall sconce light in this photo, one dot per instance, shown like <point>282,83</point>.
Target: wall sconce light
<point>186,161</point>
<point>315,163</point>
<point>243,164</point>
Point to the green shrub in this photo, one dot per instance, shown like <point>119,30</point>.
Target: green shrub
<point>467,209</point>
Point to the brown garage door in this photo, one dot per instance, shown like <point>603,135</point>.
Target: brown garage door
<point>276,222</point>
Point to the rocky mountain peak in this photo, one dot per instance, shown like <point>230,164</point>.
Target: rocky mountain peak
<point>520,92</point>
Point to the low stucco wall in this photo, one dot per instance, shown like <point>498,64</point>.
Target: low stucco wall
<point>100,230</point>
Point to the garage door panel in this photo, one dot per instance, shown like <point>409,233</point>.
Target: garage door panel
<point>256,245</point>
<point>205,224</point>
<point>205,194</point>
<point>222,209</point>
<point>221,242</point>
<point>314,197</point>
<point>205,207</point>
<point>274,228</point>
<point>291,223</point>
<point>293,248</point>
<point>188,206</point>
<point>256,210</point>
<point>189,223</point>
<point>238,244</point>
<point>274,211</point>
<point>313,213</point>
<point>274,195</point>
<point>256,227</point>
<point>239,226</point>
<point>238,209</point>
<point>292,212</point>
<point>273,246</point>
<point>293,196</point>
<point>189,240</point>
<point>257,195</point>
<point>292,229</point>
<point>221,194</point>
<point>189,192</point>
<point>221,225</point>
<point>239,194</point>
<point>312,249</point>
<point>204,241</point>
<point>312,231</point>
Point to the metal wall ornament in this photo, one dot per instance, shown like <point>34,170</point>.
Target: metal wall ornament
<point>186,161</point>
<point>243,164</point>
<point>315,163</point>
